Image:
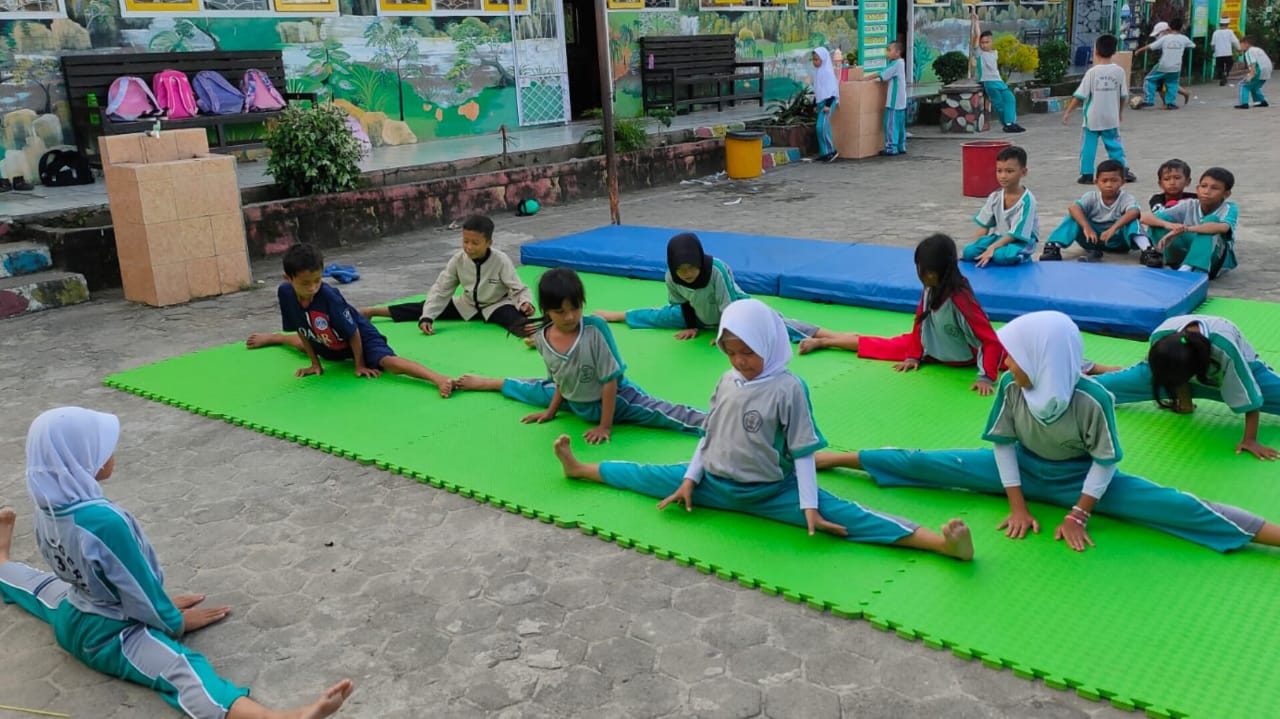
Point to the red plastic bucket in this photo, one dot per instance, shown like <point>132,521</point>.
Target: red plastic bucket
<point>978,165</point>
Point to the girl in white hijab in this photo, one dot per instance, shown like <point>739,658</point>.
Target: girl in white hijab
<point>1055,441</point>
<point>758,407</point>
<point>106,598</point>
<point>826,95</point>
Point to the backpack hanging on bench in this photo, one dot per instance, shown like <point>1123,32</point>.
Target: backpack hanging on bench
<point>216,96</point>
<point>130,99</point>
<point>259,94</point>
<point>173,94</point>
<point>63,168</point>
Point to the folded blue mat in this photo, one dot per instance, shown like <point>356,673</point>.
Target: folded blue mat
<point>1126,300</point>
<point>758,261</point>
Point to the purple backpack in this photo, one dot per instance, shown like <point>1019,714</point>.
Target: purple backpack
<point>130,99</point>
<point>215,95</point>
<point>259,94</point>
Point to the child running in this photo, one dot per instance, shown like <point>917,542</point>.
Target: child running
<point>585,370</point>
<point>826,95</point>
<point>1255,58</point>
<point>699,288</point>
<point>1054,435</point>
<point>757,453</point>
<point>1168,71</point>
<point>1206,357</point>
<point>106,600</point>
<point>490,286</point>
<point>326,326</point>
<point>950,326</point>
<point>1174,177</point>
<point>1008,225</point>
<point>1102,90</point>
<point>1103,219</point>
<point>1199,235</point>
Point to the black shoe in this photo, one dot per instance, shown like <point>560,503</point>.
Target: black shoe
<point>1092,256</point>
<point>1129,176</point>
<point>1264,103</point>
<point>1241,107</point>
<point>1151,257</point>
<point>21,185</point>
<point>1084,180</point>
<point>832,157</point>
<point>1012,127</point>
<point>886,153</point>
<point>5,185</point>
<point>1222,83</point>
<point>1052,253</point>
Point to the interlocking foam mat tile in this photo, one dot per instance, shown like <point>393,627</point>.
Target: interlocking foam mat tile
<point>1144,620</point>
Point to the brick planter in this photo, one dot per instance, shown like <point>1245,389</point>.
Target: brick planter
<point>964,108</point>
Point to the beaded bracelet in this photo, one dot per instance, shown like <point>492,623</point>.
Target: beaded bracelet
<point>1077,520</point>
<point>1081,510</point>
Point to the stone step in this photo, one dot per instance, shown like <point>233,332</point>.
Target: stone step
<point>777,156</point>
<point>23,258</point>
<point>41,291</point>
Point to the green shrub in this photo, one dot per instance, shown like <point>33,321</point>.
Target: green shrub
<point>629,133</point>
<point>799,110</point>
<point>1055,59</point>
<point>951,66</point>
<point>312,151</point>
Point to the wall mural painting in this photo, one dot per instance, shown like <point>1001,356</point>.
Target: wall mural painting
<point>939,29</point>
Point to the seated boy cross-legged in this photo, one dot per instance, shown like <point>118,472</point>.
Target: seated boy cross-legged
<point>1008,225</point>
<point>1104,219</point>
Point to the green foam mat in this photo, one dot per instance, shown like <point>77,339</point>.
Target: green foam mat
<point>1144,620</point>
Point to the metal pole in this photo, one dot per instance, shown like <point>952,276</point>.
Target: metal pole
<point>606,106</point>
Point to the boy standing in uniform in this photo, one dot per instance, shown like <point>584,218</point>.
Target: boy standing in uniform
<point>1259,72</point>
<point>1008,226</point>
<point>1171,43</point>
<point>895,102</point>
<point>1103,90</point>
<point>1225,46</point>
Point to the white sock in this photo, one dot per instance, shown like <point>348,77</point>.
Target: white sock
<point>1142,241</point>
<point>1185,268</point>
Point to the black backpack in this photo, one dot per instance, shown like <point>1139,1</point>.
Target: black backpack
<point>63,168</point>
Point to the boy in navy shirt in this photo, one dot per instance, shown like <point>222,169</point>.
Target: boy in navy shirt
<point>327,326</point>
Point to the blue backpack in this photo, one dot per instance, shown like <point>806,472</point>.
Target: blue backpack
<point>216,96</point>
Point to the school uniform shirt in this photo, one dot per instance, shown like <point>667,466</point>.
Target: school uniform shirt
<point>1258,61</point>
<point>1159,202</point>
<point>1231,354</point>
<point>895,74</point>
<point>1171,47</point>
<point>1022,221</point>
<point>1086,429</point>
<point>989,66</point>
<point>1190,213</point>
<point>1225,43</point>
<point>328,323</point>
<point>593,360</point>
<point>486,284</point>
<point>100,550</point>
<point>1102,90</point>
<point>756,430</point>
<point>708,302</point>
<point>1099,212</point>
<point>958,331</point>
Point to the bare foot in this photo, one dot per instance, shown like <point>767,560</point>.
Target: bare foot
<point>263,339</point>
<point>328,703</point>
<point>7,519</point>
<point>445,385</point>
<point>811,344</point>
<point>958,542</point>
<point>609,316</point>
<point>187,601</point>
<point>473,383</point>
<point>573,469</point>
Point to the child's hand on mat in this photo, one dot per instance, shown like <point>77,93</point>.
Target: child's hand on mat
<point>1017,524</point>
<point>1261,451</point>
<point>986,257</point>
<point>1074,533</point>
<point>982,387</point>
<point>687,334</point>
<point>907,365</point>
<point>308,371</point>
<point>682,495</point>
<point>369,372</point>
<point>427,326</point>
<point>597,435</point>
<point>527,309</point>
<point>817,522</point>
<point>194,619</point>
<point>539,417</point>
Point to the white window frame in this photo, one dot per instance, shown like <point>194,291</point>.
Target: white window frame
<point>61,12</point>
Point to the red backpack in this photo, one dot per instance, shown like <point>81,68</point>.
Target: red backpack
<point>173,94</point>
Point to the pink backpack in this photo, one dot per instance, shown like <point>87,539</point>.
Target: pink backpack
<point>259,94</point>
<point>173,94</point>
<point>129,99</point>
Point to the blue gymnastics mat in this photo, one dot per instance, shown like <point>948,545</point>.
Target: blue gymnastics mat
<point>758,261</point>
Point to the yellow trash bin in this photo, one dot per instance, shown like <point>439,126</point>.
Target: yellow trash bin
<point>744,154</point>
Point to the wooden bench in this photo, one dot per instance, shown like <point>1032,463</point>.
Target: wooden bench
<point>93,74</point>
<point>682,71</point>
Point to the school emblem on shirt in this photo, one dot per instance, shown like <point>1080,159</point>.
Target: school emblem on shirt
<point>586,374</point>
<point>322,323</point>
<point>953,331</point>
<point>752,421</point>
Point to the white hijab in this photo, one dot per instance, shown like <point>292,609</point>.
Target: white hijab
<point>824,76</point>
<point>1048,347</point>
<point>66,447</point>
<point>762,329</point>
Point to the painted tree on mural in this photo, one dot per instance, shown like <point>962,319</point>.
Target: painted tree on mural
<point>182,38</point>
<point>484,41</point>
<point>329,66</point>
<point>397,47</point>
<point>367,86</point>
<point>43,72</point>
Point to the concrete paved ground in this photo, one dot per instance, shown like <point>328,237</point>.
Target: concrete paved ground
<point>441,607</point>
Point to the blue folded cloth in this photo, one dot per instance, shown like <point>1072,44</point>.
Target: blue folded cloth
<point>344,274</point>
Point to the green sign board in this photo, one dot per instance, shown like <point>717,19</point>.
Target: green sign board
<point>877,21</point>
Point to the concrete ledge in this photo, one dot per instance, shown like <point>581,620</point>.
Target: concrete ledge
<point>41,291</point>
<point>23,258</point>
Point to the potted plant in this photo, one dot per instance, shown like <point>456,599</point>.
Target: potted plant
<point>951,66</point>
<point>313,151</point>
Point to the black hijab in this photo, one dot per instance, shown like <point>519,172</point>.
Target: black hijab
<point>686,249</point>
